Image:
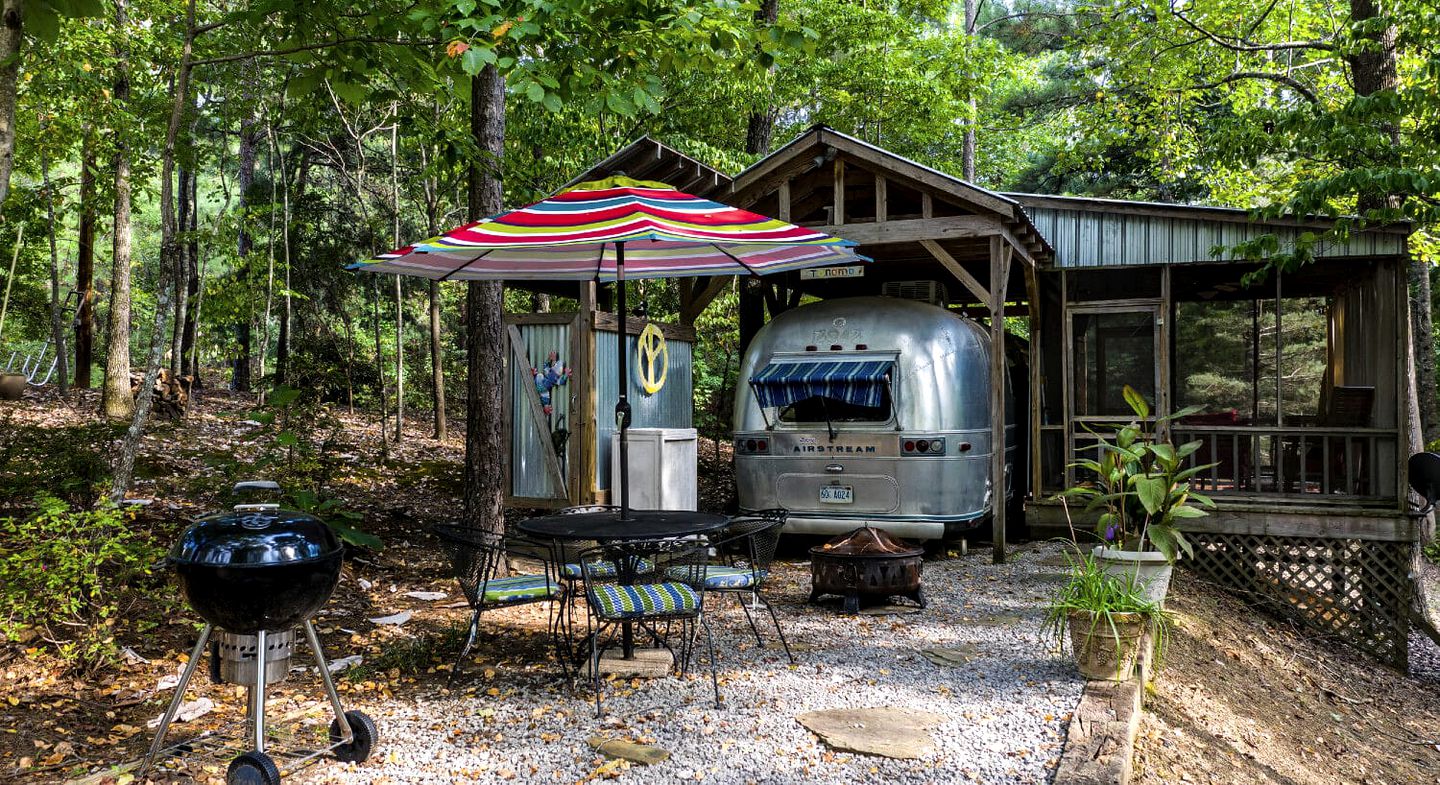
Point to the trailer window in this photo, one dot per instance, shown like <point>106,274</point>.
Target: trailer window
<point>820,409</point>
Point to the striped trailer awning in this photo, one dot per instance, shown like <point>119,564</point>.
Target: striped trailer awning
<point>858,382</point>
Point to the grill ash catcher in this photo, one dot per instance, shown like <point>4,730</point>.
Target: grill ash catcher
<point>254,574</point>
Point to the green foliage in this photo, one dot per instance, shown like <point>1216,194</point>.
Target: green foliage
<point>1140,484</point>
<point>68,575</point>
<point>300,440</point>
<point>1105,599</point>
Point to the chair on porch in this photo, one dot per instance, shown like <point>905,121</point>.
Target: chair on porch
<point>475,557</point>
<point>1346,407</point>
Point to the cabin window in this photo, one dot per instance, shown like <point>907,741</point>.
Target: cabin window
<point>818,409</point>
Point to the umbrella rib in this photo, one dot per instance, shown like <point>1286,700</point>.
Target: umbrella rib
<point>735,259</point>
<point>452,273</point>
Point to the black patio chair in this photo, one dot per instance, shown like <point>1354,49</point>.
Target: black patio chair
<point>745,551</point>
<point>474,556</point>
<point>644,583</point>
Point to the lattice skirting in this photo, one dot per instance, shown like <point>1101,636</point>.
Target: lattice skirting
<point>1359,591</point>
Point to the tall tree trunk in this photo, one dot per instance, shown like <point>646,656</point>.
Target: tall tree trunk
<point>85,266</point>
<point>485,330</point>
<point>967,152</point>
<point>181,277</point>
<point>12,37</point>
<point>249,137</point>
<point>760,126</point>
<point>1373,70</point>
<point>282,341</point>
<point>57,321</point>
<point>194,282</point>
<point>437,363</point>
<point>399,287</point>
<point>115,401</point>
<point>169,258</point>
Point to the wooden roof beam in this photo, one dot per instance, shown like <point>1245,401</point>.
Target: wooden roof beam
<point>956,269</point>
<point>917,229</point>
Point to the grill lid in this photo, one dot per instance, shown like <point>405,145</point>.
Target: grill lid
<point>867,541</point>
<point>255,535</point>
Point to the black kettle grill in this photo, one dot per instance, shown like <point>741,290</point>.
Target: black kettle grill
<point>257,572</point>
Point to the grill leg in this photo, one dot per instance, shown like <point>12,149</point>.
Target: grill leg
<point>257,695</point>
<point>348,733</point>
<point>155,746</point>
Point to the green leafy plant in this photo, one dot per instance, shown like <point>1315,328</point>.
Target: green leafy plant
<point>65,575</point>
<point>1107,600</point>
<point>1141,484</point>
<point>333,512</point>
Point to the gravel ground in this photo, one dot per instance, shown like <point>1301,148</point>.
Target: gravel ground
<point>1005,711</point>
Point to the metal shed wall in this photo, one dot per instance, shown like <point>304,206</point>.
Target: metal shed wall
<point>672,407</point>
<point>1101,238</point>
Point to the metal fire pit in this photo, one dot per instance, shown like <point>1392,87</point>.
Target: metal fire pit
<point>866,563</point>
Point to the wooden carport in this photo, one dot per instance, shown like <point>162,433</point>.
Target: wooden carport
<point>917,223</point>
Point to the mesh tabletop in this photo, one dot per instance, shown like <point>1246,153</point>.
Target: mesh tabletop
<point>608,526</point>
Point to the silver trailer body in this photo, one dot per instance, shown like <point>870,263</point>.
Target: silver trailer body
<point>901,438</point>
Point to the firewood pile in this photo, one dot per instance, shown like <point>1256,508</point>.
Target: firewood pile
<point>172,393</point>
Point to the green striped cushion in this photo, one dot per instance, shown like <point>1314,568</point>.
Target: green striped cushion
<point>517,588</point>
<point>719,577</point>
<point>603,569</point>
<point>614,601</point>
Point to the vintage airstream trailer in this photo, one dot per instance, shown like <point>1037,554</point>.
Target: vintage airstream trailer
<point>869,410</point>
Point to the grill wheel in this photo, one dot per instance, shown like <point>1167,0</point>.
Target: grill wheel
<point>365,734</point>
<point>252,768</point>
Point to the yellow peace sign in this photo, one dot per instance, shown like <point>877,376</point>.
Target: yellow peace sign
<point>652,359</point>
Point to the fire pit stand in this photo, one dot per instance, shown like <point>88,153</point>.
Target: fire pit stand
<point>254,574</point>
<point>866,563</point>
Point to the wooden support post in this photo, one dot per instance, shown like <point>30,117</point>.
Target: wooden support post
<point>837,214</point>
<point>1032,293</point>
<point>882,199</point>
<point>999,272</point>
<point>583,430</point>
<point>927,205</point>
<point>783,195</point>
<point>752,310</point>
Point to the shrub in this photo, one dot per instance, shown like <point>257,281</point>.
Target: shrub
<point>67,463</point>
<point>65,573</point>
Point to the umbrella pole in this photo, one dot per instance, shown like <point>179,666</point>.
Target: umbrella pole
<point>622,405</point>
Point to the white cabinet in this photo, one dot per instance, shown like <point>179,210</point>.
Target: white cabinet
<point>662,469</point>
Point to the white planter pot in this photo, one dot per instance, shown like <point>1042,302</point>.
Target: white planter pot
<point>1149,568</point>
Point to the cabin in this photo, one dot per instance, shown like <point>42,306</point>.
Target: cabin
<point>1304,380</point>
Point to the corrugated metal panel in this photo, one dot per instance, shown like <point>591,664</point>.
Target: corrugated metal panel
<point>1093,238</point>
<point>672,407</point>
<point>529,474</point>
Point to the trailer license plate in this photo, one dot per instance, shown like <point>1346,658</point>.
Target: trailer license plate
<point>837,494</point>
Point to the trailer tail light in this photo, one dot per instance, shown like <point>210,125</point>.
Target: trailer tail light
<point>928,447</point>
<point>752,446</point>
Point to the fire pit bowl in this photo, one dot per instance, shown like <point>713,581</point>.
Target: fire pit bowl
<point>866,563</point>
<point>257,567</point>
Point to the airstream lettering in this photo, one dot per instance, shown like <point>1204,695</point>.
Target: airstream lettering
<point>869,410</point>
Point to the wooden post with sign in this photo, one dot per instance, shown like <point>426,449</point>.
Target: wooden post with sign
<point>999,273</point>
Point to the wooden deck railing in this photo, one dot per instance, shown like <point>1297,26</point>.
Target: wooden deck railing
<point>1294,461</point>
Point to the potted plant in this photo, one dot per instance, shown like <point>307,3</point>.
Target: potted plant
<point>1140,485</point>
<point>1106,616</point>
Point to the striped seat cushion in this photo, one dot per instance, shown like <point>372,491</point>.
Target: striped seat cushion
<point>616,601</point>
<point>520,588</point>
<point>604,569</point>
<point>719,577</point>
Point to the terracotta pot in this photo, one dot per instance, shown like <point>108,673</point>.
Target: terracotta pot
<point>1149,568</point>
<point>1105,653</point>
<point>12,386</point>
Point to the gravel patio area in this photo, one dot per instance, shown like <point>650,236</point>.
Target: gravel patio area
<point>1004,711</point>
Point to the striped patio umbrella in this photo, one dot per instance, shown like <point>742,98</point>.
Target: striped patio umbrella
<point>611,229</point>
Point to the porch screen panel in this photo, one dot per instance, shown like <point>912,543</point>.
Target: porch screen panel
<point>1110,351</point>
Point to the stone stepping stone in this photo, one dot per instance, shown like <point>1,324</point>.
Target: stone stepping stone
<point>998,620</point>
<point>643,754</point>
<point>954,656</point>
<point>887,731</point>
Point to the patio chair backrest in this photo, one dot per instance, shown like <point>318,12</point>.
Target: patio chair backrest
<point>475,554</point>
<point>644,562</point>
<point>753,539</point>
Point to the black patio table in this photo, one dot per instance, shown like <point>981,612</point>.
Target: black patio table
<point>613,526</point>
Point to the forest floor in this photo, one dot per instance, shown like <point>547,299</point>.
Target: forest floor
<point>1243,697</point>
